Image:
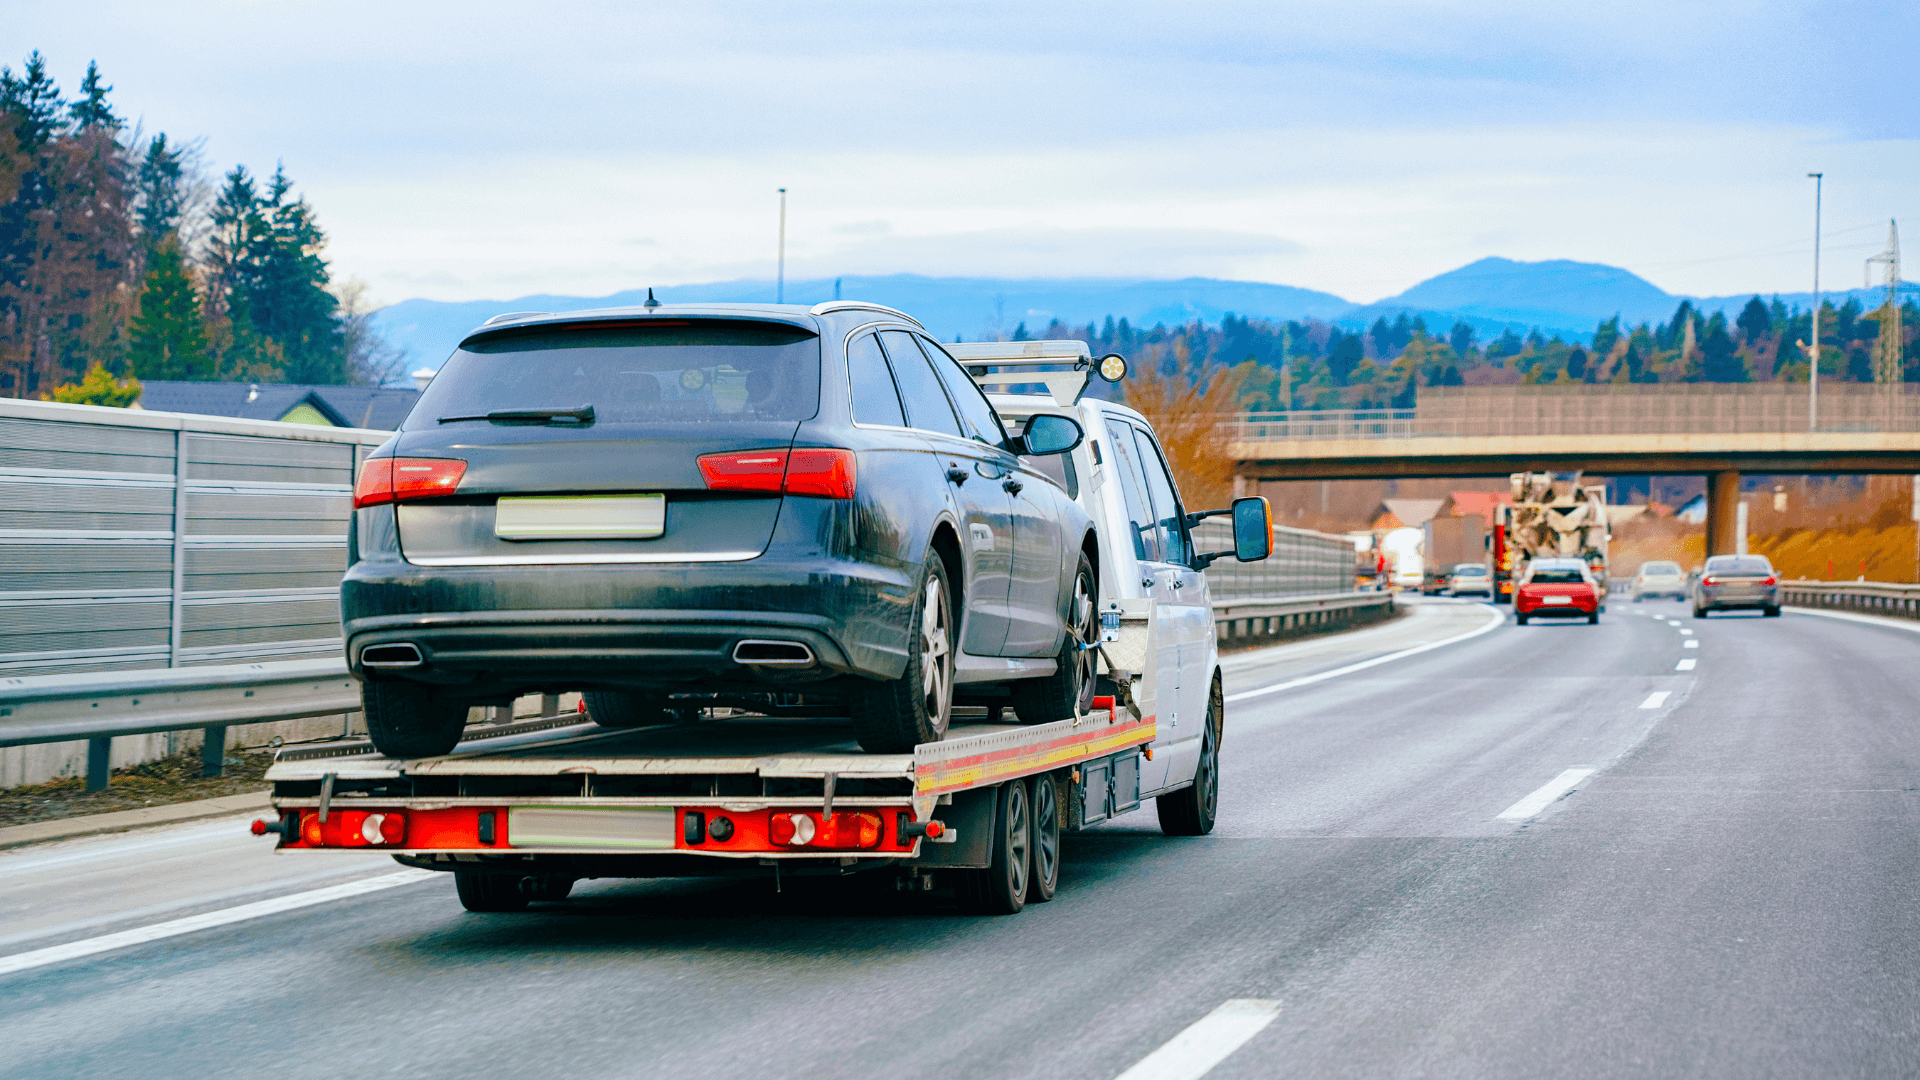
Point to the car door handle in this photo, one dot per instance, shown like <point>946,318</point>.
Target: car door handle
<point>1012,486</point>
<point>956,474</point>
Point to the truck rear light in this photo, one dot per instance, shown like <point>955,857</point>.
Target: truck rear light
<point>384,828</point>
<point>825,473</point>
<point>846,830</point>
<point>385,480</point>
<point>353,828</point>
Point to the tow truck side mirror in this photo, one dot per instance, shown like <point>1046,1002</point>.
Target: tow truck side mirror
<point>1252,528</point>
<point>1048,433</point>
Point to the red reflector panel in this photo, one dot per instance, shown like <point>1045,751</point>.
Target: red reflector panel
<point>826,473</point>
<point>385,480</point>
<point>751,470</point>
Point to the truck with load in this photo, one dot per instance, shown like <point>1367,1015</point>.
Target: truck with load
<point>986,624</point>
<point>1549,519</point>
<point>1449,542</point>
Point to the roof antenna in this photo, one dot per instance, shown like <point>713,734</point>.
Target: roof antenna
<point>651,302</point>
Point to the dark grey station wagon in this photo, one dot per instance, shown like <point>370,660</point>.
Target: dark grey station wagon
<point>677,506</point>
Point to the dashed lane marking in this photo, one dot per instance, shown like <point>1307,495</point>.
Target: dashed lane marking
<point>1685,665</point>
<point>75,950</point>
<point>1207,1042</point>
<point>1686,633</point>
<point>1656,699</point>
<point>1690,643</point>
<point>1544,797</point>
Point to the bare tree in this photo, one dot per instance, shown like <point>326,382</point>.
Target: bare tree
<point>372,360</point>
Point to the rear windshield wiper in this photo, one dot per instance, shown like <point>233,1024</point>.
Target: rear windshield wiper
<point>581,415</point>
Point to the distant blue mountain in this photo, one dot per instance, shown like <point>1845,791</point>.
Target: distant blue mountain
<point>1492,295</point>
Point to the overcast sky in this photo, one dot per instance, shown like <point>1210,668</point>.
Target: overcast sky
<point>476,150</point>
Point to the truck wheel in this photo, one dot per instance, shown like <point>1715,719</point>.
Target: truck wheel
<point>1191,810</point>
<point>895,716</point>
<point>1001,888</point>
<point>1069,690</point>
<point>626,709</point>
<point>1770,612</point>
<point>546,887</point>
<point>1046,839</point>
<point>481,891</point>
<point>407,720</point>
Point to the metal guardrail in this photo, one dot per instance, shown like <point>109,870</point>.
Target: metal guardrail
<point>1237,618</point>
<point>97,706</point>
<point>1867,597</point>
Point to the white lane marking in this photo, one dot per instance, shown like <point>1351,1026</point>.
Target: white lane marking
<point>74,950</point>
<point>1686,633</point>
<point>1544,797</point>
<point>1870,620</point>
<point>1685,665</point>
<point>1656,699</point>
<point>1690,643</point>
<point>1499,619</point>
<point>1208,1042</point>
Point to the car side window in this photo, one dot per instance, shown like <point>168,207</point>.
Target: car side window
<point>975,410</point>
<point>875,401</point>
<point>927,405</point>
<point>1169,518</point>
<point>1133,485</point>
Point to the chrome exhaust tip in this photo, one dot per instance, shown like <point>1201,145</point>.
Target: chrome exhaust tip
<point>403,654</point>
<point>773,654</point>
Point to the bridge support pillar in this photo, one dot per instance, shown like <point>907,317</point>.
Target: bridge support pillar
<point>1723,510</point>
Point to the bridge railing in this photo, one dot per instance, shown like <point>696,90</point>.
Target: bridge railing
<point>1866,597</point>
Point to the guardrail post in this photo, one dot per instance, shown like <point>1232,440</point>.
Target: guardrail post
<point>549,705</point>
<point>213,750</point>
<point>99,763</point>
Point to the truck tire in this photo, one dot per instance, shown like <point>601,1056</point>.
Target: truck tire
<point>408,720</point>
<point>1067,692</point>
<point>1046,839</point>
<point>481,891</point>
<point>546,887</point>
<point>1771,612</point>
<point>894,716</point>
<point>1001,888</point>
<point>1191,810</point>
<point>626,708</point>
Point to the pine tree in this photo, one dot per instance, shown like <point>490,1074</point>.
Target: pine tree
<point>160,190</point>
<point>1720,360</point>
<point>1461,337</point>
<point>168,340</point>
<point>92,111</point>
<point>1755,322</point>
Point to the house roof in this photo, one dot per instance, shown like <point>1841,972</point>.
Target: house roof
<point>381,408</point>
<point>1412,513</point>
<point>1462,503</point>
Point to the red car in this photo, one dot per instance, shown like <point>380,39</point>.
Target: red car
<point>1560,588</point>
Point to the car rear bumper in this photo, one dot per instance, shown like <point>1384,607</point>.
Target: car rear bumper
<point>496,630</point>
<point>1743,600</point>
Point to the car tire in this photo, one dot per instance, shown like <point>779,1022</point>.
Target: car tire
<point>626,708</point>
<point>408,720</point>
<point>894,716</point>
<point>1519,618</point>
<point>1068,692</point>
<point>1191,810</point>
<point>1593,619</point>
<point>1699,612</point>
<point>1772,612</point>
<point>1639,599</point>
<point>483,892</point>
<point>1046,839</point>
<point>1001,887</point>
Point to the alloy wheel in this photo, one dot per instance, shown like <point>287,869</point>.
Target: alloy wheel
<point>936,657</point>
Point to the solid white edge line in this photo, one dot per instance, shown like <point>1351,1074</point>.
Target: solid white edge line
<point>1656,699</point>
<point>1499,618</point>
<point>1545,796</point>
<point>1889,622</point>
<point>74,950</point>
<point>1206,1042</point>
<point>1685,665</point>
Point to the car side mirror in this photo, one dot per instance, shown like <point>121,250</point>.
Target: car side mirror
<point>1048,433</point>
<point>1252,528</point>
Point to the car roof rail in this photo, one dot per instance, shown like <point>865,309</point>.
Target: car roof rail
<point>862,305</point>
<point>1065,367</point>
<point>512,315</point>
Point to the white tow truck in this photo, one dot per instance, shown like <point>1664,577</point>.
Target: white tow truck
<point>521,811</point>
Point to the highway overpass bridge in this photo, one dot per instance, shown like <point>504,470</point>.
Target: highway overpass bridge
<point>1716,431</point>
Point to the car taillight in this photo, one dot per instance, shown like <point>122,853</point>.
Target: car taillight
<point>385,480</point>
<point>826,473</point>
<point>1709,580</point>
<point>1770,580</point>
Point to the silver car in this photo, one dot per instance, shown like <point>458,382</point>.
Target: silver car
<point>1729,582</point>
<point>1660,579</point>
<point>1470,579</point>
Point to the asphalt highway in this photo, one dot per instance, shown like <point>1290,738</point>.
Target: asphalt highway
<point>1449,846</point>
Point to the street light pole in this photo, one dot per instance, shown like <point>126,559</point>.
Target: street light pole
<point>1813,391</point>
<point>780,278</point>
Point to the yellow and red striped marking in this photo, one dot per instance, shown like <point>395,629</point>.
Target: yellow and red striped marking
<point>940,777</point>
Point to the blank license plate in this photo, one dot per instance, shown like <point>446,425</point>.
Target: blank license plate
<point>607,827</point>
<point>1557,600</point>
<point>580,517</point>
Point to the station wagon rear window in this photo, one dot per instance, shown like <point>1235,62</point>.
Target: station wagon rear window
<point>666,372</point>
